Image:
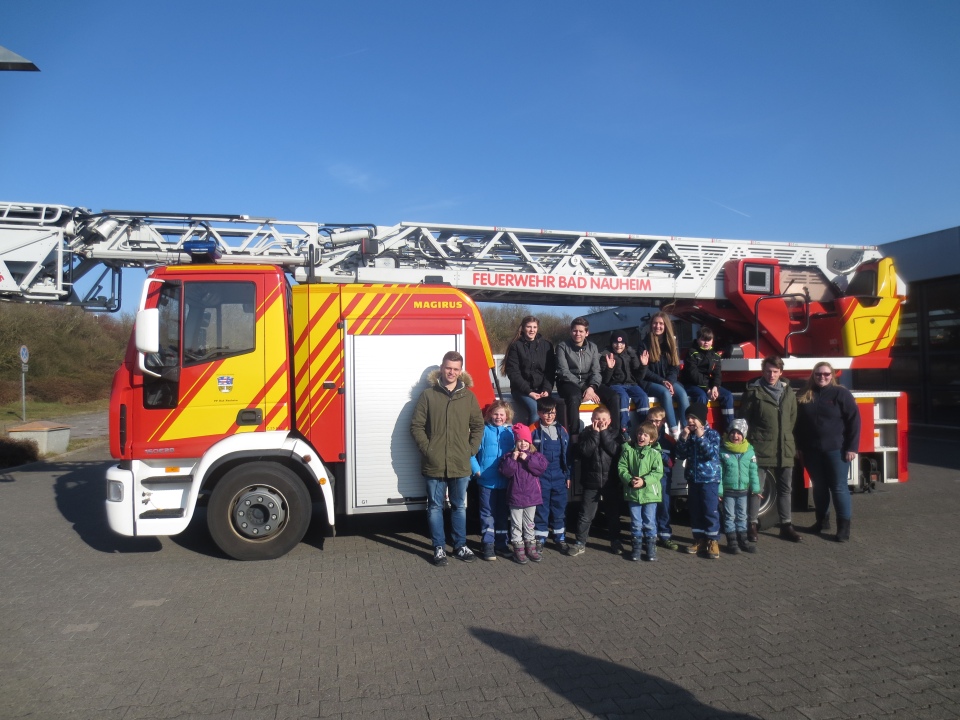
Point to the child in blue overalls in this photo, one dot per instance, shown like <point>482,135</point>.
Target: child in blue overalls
<point>551,439</point>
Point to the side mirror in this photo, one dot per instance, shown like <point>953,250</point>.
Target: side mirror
<point>147,335</point>
<point>148,331</point>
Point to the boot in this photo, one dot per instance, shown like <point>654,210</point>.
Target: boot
<point>732,547</point>
<point>713,549</point>
<point>651,546</point>
<point>788,533</point>
<point>533,551</point>
<point>487,552</point>
<point>822,523</point>
<point>753,532</point>
<point>519,554</point>
<point>694,547</point>
<point>636,549</point>
<point>747,547</point>
<point>843,530</point>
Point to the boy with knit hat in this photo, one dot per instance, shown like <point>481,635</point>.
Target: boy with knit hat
<point>739,477</point>
<point>699,445</point>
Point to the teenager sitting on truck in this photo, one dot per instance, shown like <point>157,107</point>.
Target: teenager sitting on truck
<point>531,367</point>
<point>578,376</point>
<point>622,371</point>
<point>701,375</point>
<point>659,355</point>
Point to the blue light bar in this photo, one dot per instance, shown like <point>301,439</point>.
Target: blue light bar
<point>202,251</point>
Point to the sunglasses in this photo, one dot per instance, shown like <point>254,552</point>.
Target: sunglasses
<point>823,374</point>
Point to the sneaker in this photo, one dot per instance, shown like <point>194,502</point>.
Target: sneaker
<point>668,543</point>
<point>575,549</point>
<point>439,556</point>
<point>713,549</point>
<point>464,553</point>
<point>539,543</point>
<point>487,552</point>
<point>503,550</point>
<point>693,548</point>
<point>533,552</point>
<point>563,546</point>
<point>616,547</point>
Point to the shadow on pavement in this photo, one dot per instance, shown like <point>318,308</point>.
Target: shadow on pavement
<point>80,499</point>
<point>600,687</point>
<point>934,449</point>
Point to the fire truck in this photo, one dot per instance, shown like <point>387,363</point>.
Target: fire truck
<point>275,365</point>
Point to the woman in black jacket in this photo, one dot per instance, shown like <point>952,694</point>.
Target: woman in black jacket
<point>828,435</point>
<point>531,367</point>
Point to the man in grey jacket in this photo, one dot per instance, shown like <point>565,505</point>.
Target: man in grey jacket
<point>578,376</point>
<point>447,427</point>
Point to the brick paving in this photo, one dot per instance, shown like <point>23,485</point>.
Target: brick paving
<point>363,626</point>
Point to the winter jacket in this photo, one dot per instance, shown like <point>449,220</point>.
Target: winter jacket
<point>447,428</point>
<point>560,470</point>
<point>702,455</point>
<point>667,447</point>
<point>627,368</point>
<point>660,371</point>
<point>830,421</point>
<point>701,368</point>
<point>579,365</point>
<point>496,442</point>
<point>770,424</point>
<point>531,365</point>
<point>523,489</point>
<point>643,462</point>
<point>598,452</point>
<point>738,470</point>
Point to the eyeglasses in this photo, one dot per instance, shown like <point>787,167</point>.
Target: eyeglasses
<point>823,374</point>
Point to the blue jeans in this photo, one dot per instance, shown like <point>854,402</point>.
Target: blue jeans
<point>665,399</point>
<point>640,399</point>
<point>438,489</point>
<point>828,473</point>
<point>664,530</point>
<point>704,499</point>
<point>643,519</point>
<point>494,516</point>
<point>524,403</point>
<point>734,514</point>
<point>724,397</point>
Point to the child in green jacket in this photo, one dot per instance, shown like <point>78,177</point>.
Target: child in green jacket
<point>739,477</point>
<point>640,469</point>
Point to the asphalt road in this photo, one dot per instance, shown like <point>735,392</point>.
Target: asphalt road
<point>363,626</point>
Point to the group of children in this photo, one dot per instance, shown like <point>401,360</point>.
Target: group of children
<point>524,472</point>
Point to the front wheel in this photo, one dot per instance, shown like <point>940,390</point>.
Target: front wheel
<point>259,511</point>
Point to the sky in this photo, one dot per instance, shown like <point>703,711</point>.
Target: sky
<point>804,121</point>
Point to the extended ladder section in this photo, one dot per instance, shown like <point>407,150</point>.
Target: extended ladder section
<point>59,254</point>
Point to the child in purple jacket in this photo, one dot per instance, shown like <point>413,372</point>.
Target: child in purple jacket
<point>523,467</point>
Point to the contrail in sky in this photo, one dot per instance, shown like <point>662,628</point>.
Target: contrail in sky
<point>726,207</point>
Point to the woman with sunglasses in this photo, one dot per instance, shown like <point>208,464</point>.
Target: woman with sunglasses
<point>828,435</point>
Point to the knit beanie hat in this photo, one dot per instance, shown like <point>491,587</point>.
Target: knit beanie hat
<point>522,432</point>
<point>699,411</point>
<point>739,425</point>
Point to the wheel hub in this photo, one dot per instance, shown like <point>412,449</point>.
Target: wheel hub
<point>259,512</point>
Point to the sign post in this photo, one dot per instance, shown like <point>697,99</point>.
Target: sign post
<point>24,358</point>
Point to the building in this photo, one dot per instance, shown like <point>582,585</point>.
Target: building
<point>925,360</point>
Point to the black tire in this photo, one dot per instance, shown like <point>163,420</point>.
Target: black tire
<point>259,511</point>
<point>768,516</point>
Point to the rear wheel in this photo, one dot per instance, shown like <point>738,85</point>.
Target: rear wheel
<point>767,516</point>
<point>259,511</point>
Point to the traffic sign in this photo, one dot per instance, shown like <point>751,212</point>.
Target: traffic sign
<point>24,355</point>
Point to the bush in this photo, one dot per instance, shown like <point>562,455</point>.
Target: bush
<point>18,452</point>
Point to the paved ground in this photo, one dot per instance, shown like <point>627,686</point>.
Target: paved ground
<point>362,626</point>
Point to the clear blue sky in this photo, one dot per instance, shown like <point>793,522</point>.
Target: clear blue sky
<point>834,122</point>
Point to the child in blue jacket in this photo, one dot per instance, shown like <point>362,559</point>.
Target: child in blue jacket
<point>497,441</point>
<point>699,445</point>
<point>551,439</point>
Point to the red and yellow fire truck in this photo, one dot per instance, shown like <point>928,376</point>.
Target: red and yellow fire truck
<point>263,395</point>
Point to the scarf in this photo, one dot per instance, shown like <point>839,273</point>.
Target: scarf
<point>739,448</point>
